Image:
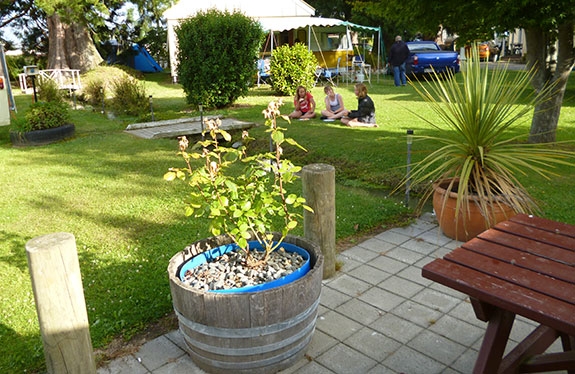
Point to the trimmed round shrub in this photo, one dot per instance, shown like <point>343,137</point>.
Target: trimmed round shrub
<point>44,115</point>
<point>217,54</point>
<point>291,67</point>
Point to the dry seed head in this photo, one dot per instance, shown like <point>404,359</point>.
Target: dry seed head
<point>183,143</point>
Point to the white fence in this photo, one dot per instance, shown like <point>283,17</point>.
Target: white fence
<point>66,79</point>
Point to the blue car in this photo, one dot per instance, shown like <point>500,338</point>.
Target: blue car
<point>426,57</point>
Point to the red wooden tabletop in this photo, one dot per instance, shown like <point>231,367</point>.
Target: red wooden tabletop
<point>524,265</point>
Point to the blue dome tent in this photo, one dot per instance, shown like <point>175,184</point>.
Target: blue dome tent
<point>141,60</point>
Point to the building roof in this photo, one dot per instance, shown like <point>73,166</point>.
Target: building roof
<point>252,8</point>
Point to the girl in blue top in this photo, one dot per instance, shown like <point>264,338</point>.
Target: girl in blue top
<point>334,107</point>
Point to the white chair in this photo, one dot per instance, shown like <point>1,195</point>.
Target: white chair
<point>263,71</point>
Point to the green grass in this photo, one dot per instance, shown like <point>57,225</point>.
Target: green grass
<point>106,188</point>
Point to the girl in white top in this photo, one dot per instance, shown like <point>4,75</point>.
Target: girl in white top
<point>334,107</point>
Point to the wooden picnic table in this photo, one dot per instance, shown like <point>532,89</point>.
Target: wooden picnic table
<point>524,266</point>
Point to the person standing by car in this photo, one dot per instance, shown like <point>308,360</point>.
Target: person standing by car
<point>398,54</point>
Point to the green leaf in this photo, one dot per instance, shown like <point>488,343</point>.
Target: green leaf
<point>277,137</point>
<point>170,176</point>
<point>227,137</point>
<point>242,243</point>
<point>246,205</point>
<point>291,199</point>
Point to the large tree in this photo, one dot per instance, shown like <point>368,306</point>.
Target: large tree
<point>70,42</point>
<point>549,28</point>
<point>72,27</point>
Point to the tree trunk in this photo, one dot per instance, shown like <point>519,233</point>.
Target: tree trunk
<point>546,115</point>
<point>70,46</point>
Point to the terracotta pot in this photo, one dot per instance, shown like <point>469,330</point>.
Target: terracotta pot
<point>467,226</point>
<point>259,332</point>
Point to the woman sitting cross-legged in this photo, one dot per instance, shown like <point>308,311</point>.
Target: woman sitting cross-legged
<point>334,107</point>
<point>304,104</point>
<point>365,114</point>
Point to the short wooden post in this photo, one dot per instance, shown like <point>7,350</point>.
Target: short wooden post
<point>60,304</point>
<point>318,185</point>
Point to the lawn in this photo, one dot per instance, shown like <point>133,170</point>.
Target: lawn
<point>105,187</point>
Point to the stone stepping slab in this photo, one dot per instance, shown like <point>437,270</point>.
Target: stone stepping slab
<point>182,126</point>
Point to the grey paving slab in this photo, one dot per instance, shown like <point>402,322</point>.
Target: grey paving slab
<point>388,264</point>
<point>360,311</point>
<point>381,299</point>
<point>457,330</point>
<point>401,286</point>
<point>369,274</point>
<point>405,255</point>
<point>361,254</point>
<point>373,344</point>
<point>418,314</point>
<point>408,360</point>
<point>350,285</point>
<point>337,325</point>
<point>440,348</point>
<point>378,315</point>
<point>344,359</point>
<point>124,365</point>
<point>420,246</point>
<point>155,353</point>
<point>331,298</point>
<point>396,328</point>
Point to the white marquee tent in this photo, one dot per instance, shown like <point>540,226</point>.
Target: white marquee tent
<point>282,16</point>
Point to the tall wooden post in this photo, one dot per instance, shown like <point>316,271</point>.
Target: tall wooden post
<point>318,185</point>
<point>60,304</point>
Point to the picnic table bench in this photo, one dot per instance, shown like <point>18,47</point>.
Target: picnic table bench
<point>524,266</point>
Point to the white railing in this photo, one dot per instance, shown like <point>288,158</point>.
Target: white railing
<point>66,79</point>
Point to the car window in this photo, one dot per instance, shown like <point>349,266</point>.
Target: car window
<point>421,47</point>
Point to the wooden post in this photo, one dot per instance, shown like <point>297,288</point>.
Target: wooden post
<point>57,285</point>
<point>318,185</point>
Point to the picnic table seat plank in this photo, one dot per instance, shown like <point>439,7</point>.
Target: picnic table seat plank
<point>535,247</point>
<point>545,224</point>
<point>522,259</point>
<point>502,294</point>
<point>506,271</point>
<point>543,236</point>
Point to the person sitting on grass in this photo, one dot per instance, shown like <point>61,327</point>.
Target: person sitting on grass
<point>364,116</point>
<point>304,104</point>
<point>334,107</point>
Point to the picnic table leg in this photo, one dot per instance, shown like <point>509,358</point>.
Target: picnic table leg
<point>568,343</point>
<point>494,342</point>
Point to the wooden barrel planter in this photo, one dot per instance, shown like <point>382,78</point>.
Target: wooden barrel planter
<point>464,227</point>
<point>251,332</point>
<point>42,137</point>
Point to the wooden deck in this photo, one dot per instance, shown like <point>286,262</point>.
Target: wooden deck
<point>180,127</point>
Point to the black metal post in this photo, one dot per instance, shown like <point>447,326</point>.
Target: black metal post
<point>408,181</point>
<point>34,88</point>
<point>74,95</point>
<point>201,108</point>
<point>151,107</point>
<point>103,104</point>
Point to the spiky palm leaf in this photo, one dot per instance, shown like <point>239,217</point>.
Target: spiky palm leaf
<point>474,120</point>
